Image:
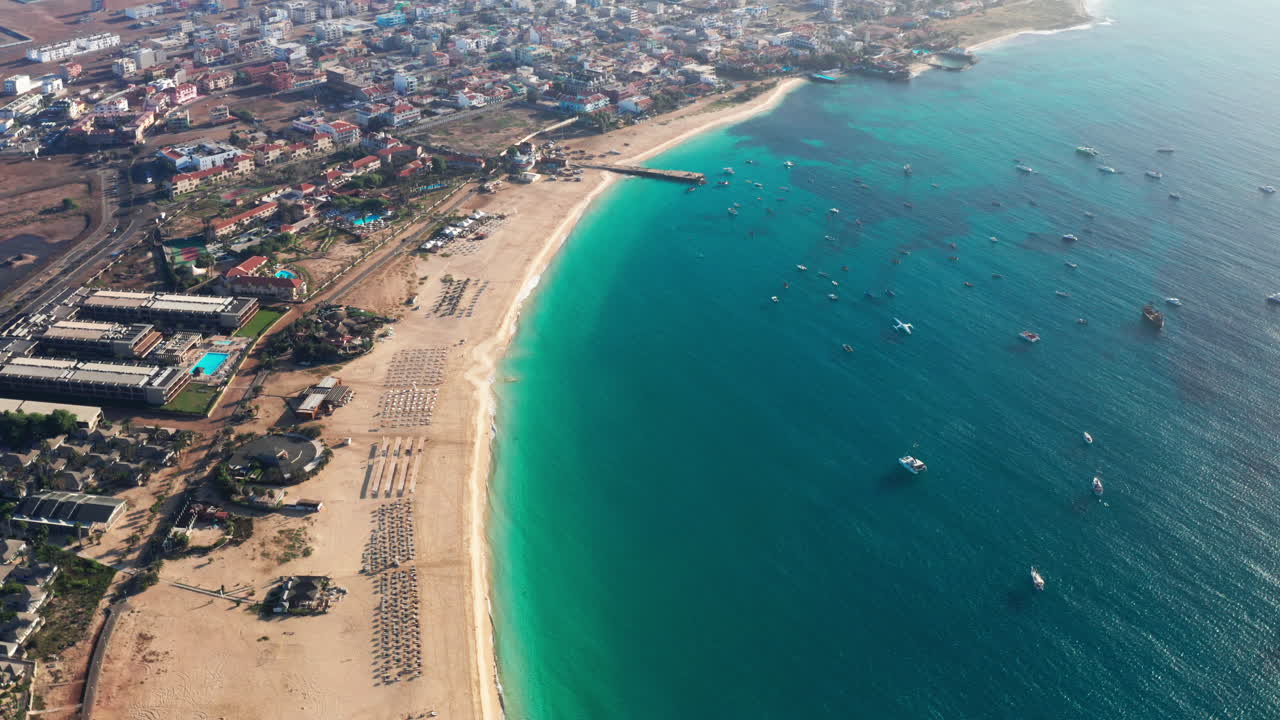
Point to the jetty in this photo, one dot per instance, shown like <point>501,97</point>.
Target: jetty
<point>684,176</point>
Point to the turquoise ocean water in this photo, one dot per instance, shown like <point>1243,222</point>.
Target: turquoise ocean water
<point>697,510</point>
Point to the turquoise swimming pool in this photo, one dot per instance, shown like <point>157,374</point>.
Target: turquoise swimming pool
<point>210,362</point>
<point>285,274</point>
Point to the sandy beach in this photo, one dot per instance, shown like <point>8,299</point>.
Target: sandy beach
<point>178,653</point>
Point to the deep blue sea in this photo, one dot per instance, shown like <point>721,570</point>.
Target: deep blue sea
<point>698,512</point>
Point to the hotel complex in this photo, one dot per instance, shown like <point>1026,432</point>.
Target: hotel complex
<point>205,313</point>
<point>112,383</point>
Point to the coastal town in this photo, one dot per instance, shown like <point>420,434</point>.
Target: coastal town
<point>261,261</point>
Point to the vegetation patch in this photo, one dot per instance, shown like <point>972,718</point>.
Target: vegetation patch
<point>196,399</point>
<point>261,320</point>
<point>77,590</point>
<point>291,544</point>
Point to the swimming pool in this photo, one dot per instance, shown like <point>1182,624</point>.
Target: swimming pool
<point>210,362</point>
<point>366,219</point>
<point>286,274</point>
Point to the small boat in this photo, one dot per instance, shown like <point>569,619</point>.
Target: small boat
<point>1175,196</point>
<point>737,204</point>
<point>1268,189</point>
<point>906,169</point>
<point>692,189</point>
<point>751,162</point>
<point>1036,580</point>
<point>1153,316</point>
<point>1088,439</point>
<point>907,205</point>
<point>997,276</point>
<point>870,294</point>
<point>1086,150</point>
<point>1089,215</point>
<point>1062,293</point>
<point>1176,302</point>
<point>847,347</point>
<point>1070,238</point>
<point>1026,169</point>
<point>1166,150</point>
<point>1029,336</point>
<point>1071,265</point>
<point>1107,170</point>
<point>832,297</point>
<point>890,293</point>
<point>728,171</point>
<point>953,246</point>
<point>913,465</point>
<point>786,285</point>
<point>1082,321</point>
<point>1154,174</point>
<point>904,252</point>
<point>822,274</point>
<point>1097,486</point>
<point>845,268</point>
<point>834,211</point>
<point>802,268</point>
<point>1274,298</point>
<point>901,326</point>
<point>952,258</point>
<point>835,282</point>
<point>788,163</point>
<point>759,186</point>
<point>896,261</point>
<point>723,183</point>
<point>733,211</point>
<point>774,298</point>
<point>968,284</point>
<point>995,239</point>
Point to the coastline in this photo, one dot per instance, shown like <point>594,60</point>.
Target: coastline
<point>1079,17</point>
<point>487,356</point>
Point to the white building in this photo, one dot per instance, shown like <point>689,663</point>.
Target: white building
<point>406,84</point>
<point>76,46</point>
<point>123,67</point>
<point>290,52</point>
<point>51,85</point>
<point>17,84</point>
<point>328,31</point>
<point>140,12</point>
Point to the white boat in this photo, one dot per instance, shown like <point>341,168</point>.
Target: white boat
<point>788,164</point>
<point>1088,439</point>
<point>1274,297</point>
<point>994,239</point>
<point>1062,293</point>
<point>1029,336</point>
<point>1166,149</point>
<point>1070,238</point>
<point>1268,189</point>
<point>913,465</point>
<point>728,171</point>
<point>1175,196</point>
<point>1036,579</point>
<point>1086,150</point>
<point>901,326</point>
<point>1107,170</point>
<point>1026,169</point>
<point>1155,174</point>
<point>906,169</point>
<point>1097,486</point>
<point>733,211</point>
<point>832,297</point>
<point>1071,265</point>
<point>834,211</point>
<point>1173,301</point>
<point>801,268</point>
<point>774,298</point>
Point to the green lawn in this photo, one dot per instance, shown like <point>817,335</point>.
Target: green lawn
<point>262,320</point>
<point>76,592</point>
<point>196,399</point>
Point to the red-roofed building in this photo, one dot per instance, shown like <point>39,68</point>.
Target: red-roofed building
<point>185,93</point>
<point>222,227</point>
<point>248,267</point>
<point>366,164</point>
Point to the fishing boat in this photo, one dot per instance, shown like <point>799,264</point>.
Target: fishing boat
<point>801,268</point>
<point>834,211</point>
<point>788,163</point>
<point>1107,170</point>
<point>1154,174</point>
<point>1274,298</point>
<point>1097,486</point>
<point>1153,316</point>
<point>1026,169</point>
<point>913,465</point>
<point>1268,189</point>
<point>1070,238</point>
<point>1176,302</point>
<point>1036,580</point>
<point>1029,336</point>
<point>1086,150</point>
<point>1088,439</point>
